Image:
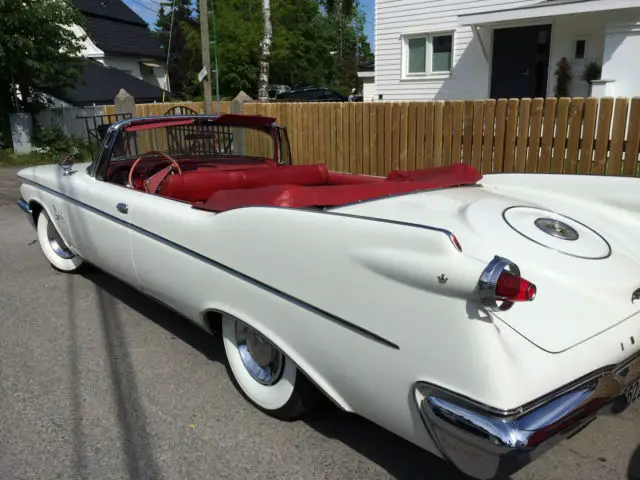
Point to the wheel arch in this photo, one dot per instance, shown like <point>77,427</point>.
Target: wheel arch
<point>211,318</point>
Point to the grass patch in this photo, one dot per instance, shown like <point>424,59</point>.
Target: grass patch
<point>8,158</point>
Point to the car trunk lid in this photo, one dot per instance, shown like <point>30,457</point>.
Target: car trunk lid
<point>584,261</point>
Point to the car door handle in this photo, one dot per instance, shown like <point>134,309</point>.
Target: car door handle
<point>123,208</point>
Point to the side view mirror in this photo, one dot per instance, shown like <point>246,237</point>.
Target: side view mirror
<point>66,163</point>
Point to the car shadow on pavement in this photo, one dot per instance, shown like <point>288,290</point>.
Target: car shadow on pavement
<point>400,458</point>
<point>162,316</point>
<point>633,471</point>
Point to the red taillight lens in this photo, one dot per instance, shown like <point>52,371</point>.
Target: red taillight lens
<point>500,285</point>
<point>514,288</point>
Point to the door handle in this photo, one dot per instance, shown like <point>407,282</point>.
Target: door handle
<point>123,208</point>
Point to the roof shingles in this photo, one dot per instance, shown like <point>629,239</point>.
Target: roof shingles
<point>117,30</point>
<point>99,85</point>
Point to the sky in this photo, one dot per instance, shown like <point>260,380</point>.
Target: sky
<point>147,10</point>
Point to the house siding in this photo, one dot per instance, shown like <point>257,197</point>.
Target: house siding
<point>470,71</point>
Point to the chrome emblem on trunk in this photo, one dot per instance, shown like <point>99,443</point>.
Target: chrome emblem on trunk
<point>557,229</point>
<point>635,296</point>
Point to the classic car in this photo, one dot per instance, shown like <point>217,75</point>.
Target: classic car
<point>481,317</point>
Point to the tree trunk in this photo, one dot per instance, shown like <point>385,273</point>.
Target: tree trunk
<point>265,53</point>
<point>340,7</point>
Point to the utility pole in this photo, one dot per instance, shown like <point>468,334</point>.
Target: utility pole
<point>206,58</point>
<point>214,42</point>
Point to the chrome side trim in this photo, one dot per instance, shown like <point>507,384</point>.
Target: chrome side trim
<point>285,296</point>
<point>484,444</point>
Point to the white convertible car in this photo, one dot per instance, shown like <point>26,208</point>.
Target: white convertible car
<point>481,318</point>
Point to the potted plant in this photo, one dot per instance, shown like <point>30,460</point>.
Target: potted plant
<point>592,71</point>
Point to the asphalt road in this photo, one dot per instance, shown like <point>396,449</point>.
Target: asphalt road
<point>98,382</point>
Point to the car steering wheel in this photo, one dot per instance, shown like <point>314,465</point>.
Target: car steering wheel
<point>156,179</point>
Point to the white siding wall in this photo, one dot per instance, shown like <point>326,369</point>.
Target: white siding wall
<point>470,75</point>
<point>622,58</point>
<point>132,66</point>
<point>369,91</point>
<point>619,59</point>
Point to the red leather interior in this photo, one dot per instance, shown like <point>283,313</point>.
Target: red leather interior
<point>299,196</point>
<point>199,185</point>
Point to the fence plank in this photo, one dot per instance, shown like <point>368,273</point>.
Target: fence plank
<point>380,148</point>
<point>447,133</point>
<point>359,138</point>
<point>365,138</point>
<point>618,134</point>
<point>411,134</point>
<point>467,143</point>
<point>633,140</point>
<point>476,150</point>
<point>535,134</point>
<point>373,139</point>
<point>602,138</point>
<point>388,150</point>
<point>548,127</point>
<point>458,130</point>
<point>576,114</point>
<point>588,135</point>
<point>523,135</point>
<point>421,134</point>
<point>560,141</point>
<point>489,120</point>
<point>501,124</point>
<point>429,129</point>
<point>437,133</point>
<point>404,128</point>
<point>511,136</point>
<point>337,118</point>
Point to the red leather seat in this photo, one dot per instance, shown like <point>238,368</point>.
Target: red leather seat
<point>199,185</point>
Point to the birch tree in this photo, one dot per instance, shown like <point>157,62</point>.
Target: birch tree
<point>265,52</point>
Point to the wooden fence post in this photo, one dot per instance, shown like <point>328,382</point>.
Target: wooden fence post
<point>237,106</point>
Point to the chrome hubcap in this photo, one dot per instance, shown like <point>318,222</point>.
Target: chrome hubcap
<point>261,358</point>
<point>57,244</point>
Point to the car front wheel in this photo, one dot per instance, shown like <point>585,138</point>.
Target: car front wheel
<point>265,375</point>
<point>55,250</point>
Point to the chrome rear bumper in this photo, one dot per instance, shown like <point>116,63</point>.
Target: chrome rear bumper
<point>27,209</point>
<point>483,442</point>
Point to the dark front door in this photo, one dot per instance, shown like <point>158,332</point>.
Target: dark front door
<point>520,63</point>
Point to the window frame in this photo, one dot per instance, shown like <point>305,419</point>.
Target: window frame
<point>429,73</point>
<point>574,45</point>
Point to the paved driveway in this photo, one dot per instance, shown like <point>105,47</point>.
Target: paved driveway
<point>98,382</point>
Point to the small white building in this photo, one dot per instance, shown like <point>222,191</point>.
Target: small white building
<point>466,49</point>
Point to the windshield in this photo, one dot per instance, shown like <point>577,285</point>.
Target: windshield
<point>206,141</point>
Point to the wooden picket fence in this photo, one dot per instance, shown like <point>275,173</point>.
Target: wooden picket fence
<point>159,109</point>
<point>566,135</point>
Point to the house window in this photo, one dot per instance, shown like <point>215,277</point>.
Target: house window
<point>429,54</point>
<point>580,49</point>
<point>146,70</point>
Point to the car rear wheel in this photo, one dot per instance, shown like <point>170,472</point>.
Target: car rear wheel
<point>55,250</point>
<point>265,375</point>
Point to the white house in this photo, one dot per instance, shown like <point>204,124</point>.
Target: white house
<point>472,49</point>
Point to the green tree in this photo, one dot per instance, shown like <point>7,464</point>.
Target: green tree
<point>178,25</point>
<point>38,51</point>
<point>303,48</point>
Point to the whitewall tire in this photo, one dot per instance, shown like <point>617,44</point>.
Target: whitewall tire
<point>55,250</point>
<point>264,375</point>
